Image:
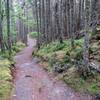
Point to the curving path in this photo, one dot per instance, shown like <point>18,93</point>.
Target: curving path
<point>33,83</point>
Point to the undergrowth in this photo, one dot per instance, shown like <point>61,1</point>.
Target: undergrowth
<point>62,56</point>
<point>5,79</point>
<point>5,73</point>
<point>34,34</point>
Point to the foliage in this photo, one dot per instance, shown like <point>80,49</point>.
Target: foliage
<point>18,47</point>
<point>5,72</point>
<point>34,34</point>
<point>60,49</point>
<point>60,54</point>
<point>63,55</point>
<point>5,78</point>
<point>15,48</point>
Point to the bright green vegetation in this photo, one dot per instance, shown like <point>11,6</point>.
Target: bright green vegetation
<point>54,47</point>
<point>62,54</point>
<point>5,79</point>
<point>15,48</point>
<point>34,34</point>
<point>5,73</point>
<point>18,47</point>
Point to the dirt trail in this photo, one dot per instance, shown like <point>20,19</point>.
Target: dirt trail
<point>33,83</point>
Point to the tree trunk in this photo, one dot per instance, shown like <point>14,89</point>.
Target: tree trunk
<point>86,38</point>
<point>8,25</point>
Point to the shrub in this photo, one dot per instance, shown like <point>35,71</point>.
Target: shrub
<point>34,34</point>
<point>18,47</point>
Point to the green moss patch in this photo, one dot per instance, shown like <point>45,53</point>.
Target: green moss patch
<point>91,85</point>
<point>5,79</point>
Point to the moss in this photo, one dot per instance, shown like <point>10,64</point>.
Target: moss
<point>5,78</point>
<point>5,73</point>
<point>91,85</point>
<point>94,88</point>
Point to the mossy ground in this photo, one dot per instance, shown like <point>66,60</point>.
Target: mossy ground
<point>5,79</point>
<point>91,85</point>
<point>5,73</point>
<point>63,53</point>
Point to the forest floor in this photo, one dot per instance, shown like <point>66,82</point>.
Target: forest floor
<point>66,63</point>
<point>32,82</point>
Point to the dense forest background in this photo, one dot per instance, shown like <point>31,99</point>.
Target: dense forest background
<point>72,26</point>
<point>52,20</point>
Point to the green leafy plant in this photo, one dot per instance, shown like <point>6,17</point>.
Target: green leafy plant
<point>34,34</point>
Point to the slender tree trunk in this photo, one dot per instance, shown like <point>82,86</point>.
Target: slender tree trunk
<point>1,37</point>
<point>86,38</point>
<point>37,21</point>
<point>43,20</point>
<point>93,15</point>
<point>8,25</point>
<point>72,23</point>
<point>1,27</point>
<point>68,18</point>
